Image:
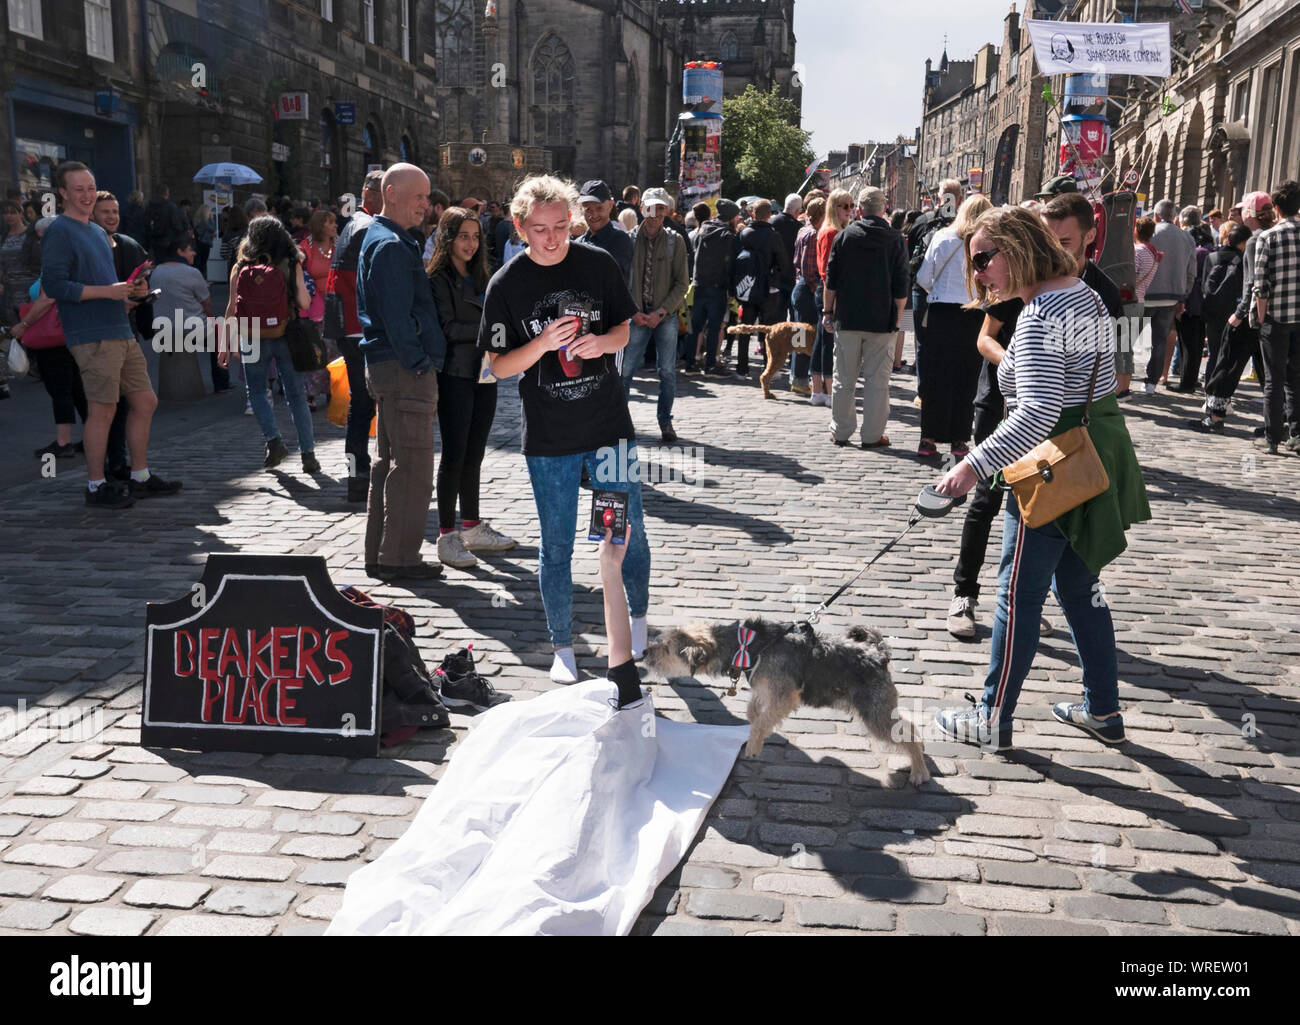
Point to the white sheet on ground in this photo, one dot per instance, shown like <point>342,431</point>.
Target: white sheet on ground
<point>557,815</point>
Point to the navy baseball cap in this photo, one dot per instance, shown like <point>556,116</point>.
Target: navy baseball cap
<point>595,191</point>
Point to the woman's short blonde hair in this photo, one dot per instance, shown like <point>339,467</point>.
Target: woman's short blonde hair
<point>834,216</point>
<point>539,190</point>
<point>815,208</point>
<point>1033,253</point>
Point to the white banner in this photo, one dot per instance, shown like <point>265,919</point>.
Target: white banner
<point>1080,48</point>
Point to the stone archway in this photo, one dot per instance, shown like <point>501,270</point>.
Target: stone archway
<point>1159,172</point>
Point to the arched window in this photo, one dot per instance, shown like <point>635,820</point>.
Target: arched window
<point>407,149</point>
<point>552,106</point>
<point>454,47</point>
<point>373,143</point>
<point>729,46</point>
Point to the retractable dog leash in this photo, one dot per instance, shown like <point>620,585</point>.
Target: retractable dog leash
<point>930,504</point>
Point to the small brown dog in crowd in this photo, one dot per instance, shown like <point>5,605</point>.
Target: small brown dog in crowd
<point>782,339</point>
<point>789,666</point>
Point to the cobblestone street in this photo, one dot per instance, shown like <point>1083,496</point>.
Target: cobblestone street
<point>1192,826</point>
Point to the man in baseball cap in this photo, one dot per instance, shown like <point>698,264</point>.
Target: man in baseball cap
<point>1058,186</point>
<point>597,206</point>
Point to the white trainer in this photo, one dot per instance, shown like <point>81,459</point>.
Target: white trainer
<point>482,538</point>
<point>565,667</point>
<point>452,552</point>
<point>961,616</point>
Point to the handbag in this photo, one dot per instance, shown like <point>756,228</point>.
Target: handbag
<point>1062,472</point>
<point>45,333</point>
<point>302,336</point>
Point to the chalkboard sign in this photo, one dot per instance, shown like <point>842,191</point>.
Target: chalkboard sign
<point>263,654</point>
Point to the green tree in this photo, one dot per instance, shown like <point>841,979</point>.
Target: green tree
<point>764,151</point>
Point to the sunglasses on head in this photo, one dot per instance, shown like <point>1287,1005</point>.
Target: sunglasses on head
<point>980,261</point>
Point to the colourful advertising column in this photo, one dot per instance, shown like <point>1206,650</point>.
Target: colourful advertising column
<point>700,166</point>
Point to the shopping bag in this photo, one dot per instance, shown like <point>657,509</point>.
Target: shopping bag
<point>340,394</point>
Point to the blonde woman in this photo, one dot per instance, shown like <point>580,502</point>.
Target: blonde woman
<point>948,364</point>
<point>1063,340</point>
<point>836,217</point>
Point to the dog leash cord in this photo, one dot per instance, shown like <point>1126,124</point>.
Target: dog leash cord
<point>912,522</point>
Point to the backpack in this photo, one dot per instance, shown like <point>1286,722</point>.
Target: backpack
<point>749,276</point>
<point>919,241</point>
<point>262,297</point>
<point>1222,289</point>
<point>715,250</point>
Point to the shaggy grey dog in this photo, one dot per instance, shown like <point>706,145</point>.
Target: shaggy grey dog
<point>792,666</point>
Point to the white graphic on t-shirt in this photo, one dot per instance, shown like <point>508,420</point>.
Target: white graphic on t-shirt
<point>593,374</point>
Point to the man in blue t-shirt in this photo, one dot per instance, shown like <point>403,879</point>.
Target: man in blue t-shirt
<point>78,274</point>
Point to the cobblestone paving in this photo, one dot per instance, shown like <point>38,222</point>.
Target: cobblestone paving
<point>1192,826</point>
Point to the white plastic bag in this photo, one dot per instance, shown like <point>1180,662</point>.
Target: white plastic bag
<point>18,362</point>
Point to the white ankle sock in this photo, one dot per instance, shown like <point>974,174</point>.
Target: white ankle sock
<point>639,636</point>
<point>565,668</point>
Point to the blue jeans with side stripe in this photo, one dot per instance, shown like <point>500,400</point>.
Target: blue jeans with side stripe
<point>1034,559</point>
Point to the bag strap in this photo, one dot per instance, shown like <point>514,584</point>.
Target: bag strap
<point>948,261</point>
<point>1096,365</point>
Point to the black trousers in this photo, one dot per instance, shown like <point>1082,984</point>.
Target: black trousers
<point>62,382</point>
<point>361,407</point>
<point>1191,336</point>
<point>985,504</point>
<point>465,413</point>
<point>768,311</point>
<point>1239,344</point>
<point>1280,346</point>
<point>949,365</point>
<point>1214,325</point>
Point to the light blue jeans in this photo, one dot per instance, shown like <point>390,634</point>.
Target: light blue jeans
<point>665,342</point>
<point>555,490</point>
<point>255,376</point>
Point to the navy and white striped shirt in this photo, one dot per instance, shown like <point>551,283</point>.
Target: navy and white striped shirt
<point>1048,367</point>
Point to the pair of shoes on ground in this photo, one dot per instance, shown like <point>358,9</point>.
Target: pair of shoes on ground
<point>115,494</point>
<point>60,451</point>
<point>928,450</point>
<point>961,618</point>
<point>972,725</point>
<point>461,686</point>
<point>456,548</point>
<point>564,667</point>
<point>819,398</point>
<point>277,452</point>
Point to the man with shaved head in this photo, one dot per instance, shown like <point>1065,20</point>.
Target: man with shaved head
<point>404,347</point>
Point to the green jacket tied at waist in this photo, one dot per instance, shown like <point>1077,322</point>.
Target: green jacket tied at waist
<point>1096,529</point>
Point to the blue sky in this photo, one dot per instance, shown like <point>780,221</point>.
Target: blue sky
<point>864,60</point>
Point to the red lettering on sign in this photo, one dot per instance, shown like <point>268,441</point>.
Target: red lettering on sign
<point>210,698</point>
<point>279,652</point>
<point>183,635</point>
<point>258,648</point>
<point>249,700</point>
<point>307,654</point>
<point>335,654</point>
<point>286,703</point>
<point>206,657</point>
<point>228,706</point>
<point>231,652</point>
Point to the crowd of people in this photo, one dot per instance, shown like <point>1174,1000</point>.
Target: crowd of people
<point>430,302</point>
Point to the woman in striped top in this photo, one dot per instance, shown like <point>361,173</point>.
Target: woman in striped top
<point>1062,338</point>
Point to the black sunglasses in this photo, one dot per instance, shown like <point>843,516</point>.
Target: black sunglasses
<point>980,261</point>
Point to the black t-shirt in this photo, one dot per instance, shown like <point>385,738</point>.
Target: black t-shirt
<point>562,414</point>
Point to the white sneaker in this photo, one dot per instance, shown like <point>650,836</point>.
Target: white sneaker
<point>639,636</point>
<point>482,538</point>
<point>961,616</point>
<point>565,668</point>
<point>451,551</point>
<point>1148,388</point>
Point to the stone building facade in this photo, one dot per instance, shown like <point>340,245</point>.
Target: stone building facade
<point>888,166</point>
<point>479,92</point>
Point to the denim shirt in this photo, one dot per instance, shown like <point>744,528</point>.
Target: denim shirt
<point>395,301</point>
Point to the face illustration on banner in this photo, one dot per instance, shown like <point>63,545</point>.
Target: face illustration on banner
<point>1062,48</point>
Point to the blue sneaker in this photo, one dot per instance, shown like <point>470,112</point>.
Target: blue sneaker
<point>1108,731</point>
<point>971,726</point>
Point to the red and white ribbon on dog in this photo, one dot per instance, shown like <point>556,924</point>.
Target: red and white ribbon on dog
<point>746,637</point>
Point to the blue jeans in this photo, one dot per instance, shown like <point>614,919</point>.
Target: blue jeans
<point>707,312</point>
<point>1032,560</point>
<point>823,354</point>
<point>255,375</point>
<point>665,340</point>
<point>803,303</point>
<point>555,490</point>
